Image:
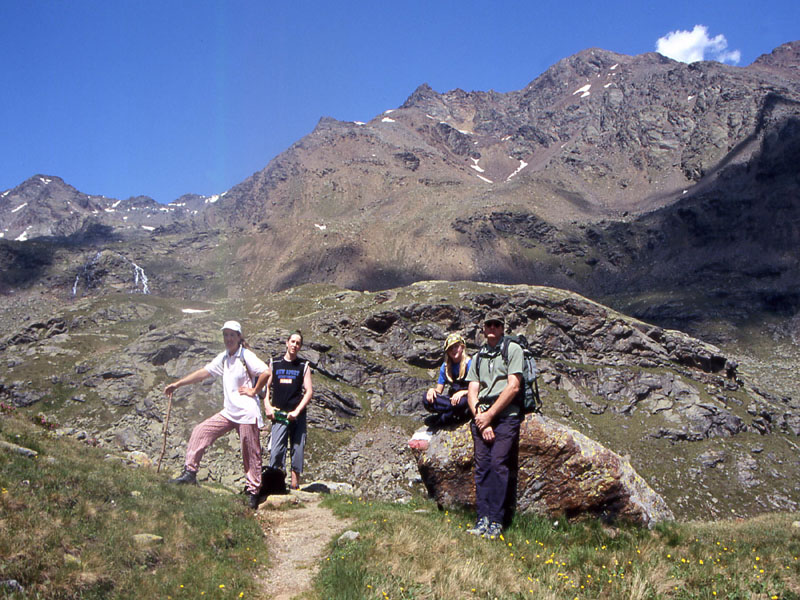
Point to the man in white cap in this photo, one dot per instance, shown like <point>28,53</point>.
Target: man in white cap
<point>237,365</point>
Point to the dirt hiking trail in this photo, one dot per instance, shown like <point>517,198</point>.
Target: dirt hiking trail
<point>298,530</point>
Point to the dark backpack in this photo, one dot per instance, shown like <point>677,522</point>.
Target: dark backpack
<point>528,397</point>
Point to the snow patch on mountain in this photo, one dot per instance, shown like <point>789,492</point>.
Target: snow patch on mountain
<point>24,235</point>
<point>522,165</point>
<point>583,91</point>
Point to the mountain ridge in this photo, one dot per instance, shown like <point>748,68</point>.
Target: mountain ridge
<point>565,182</point>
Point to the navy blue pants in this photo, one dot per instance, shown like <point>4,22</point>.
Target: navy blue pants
<point>448,414</point>
<point>496,469</point>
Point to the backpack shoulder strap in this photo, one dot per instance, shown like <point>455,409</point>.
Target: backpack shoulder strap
<point>244,362</point>
<point>478,356</point>
<point>489,354</point>
<point>504,348</point>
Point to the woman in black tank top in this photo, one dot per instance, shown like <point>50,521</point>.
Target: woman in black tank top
<point>289,391</point>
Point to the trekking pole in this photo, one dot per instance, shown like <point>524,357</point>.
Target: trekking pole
<point>164,443</point>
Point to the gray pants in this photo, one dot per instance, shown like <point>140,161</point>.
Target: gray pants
<point>295,434</point>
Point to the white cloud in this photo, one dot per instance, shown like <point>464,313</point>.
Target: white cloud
<point>694,45</point>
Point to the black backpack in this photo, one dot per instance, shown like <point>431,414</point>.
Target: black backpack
<point>528,397</point>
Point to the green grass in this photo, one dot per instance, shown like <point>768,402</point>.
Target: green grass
<point>406,553</point>
<point>68,519</point>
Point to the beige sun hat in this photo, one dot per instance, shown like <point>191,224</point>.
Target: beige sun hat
<point>452,340</point>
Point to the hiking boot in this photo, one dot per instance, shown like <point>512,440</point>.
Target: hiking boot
<point>186,477</point>
<point>432,420</point>
<point>493,530</point>
<point>480,526</point>
<point>253,500</point>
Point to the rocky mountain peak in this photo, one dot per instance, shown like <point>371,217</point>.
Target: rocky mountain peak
<point>785,56</point>
<point>141,202</point>
<point>47,206</point>
<point>588,63</point>
<point>39,185</point>
<point>589,178</point>
<point>43,205</point>
<point>420,97</point>
<point>326,123</point>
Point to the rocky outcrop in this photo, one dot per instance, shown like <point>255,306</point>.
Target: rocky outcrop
<point>561,473</point>
<point>638,389</point>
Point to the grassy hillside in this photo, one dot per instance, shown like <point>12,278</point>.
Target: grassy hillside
<point>68,517</point>
<point>417,552</point>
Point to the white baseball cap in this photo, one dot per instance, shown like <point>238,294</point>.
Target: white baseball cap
<point>232,325</point>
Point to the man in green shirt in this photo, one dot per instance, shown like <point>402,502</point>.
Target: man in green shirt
<point>494,384</point>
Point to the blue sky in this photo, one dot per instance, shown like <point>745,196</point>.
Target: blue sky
<point>138,97</point>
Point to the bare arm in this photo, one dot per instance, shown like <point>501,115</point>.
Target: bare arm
<point>269,411</point>
<point>198,375</point>
<point>472,397</point>
<point>265,377</point>
<point>253,391</point>
<point>308,390</point>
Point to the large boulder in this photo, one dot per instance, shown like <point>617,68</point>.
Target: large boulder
<point>562,473</point>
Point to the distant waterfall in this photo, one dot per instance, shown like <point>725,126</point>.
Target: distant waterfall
<point>86,274</point>
<point>140,275</point>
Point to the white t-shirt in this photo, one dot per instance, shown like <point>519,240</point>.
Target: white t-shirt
<point>238,408</point>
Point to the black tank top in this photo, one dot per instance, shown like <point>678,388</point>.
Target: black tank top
<point>287,382</point>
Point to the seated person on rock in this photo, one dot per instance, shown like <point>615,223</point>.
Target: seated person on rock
<point>452,407</point>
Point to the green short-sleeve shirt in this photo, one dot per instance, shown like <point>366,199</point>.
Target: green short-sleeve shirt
<point>494,373</point>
